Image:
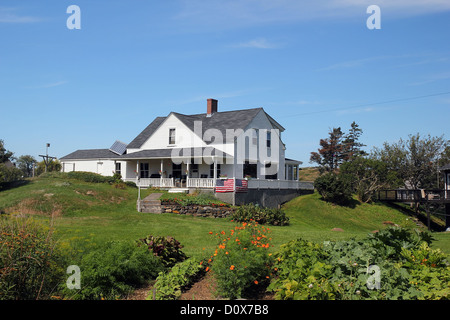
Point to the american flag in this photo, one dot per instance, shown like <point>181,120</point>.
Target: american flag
<point>227,185</point>
<point>224,185</point>
<point>241,185</point>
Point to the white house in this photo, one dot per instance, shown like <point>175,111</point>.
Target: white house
<point>197,151</point>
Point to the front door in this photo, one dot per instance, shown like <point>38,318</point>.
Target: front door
<point>176,171</point>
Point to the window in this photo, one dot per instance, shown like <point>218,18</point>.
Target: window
<point>211,170</point>
<point>254,137</point>
<point>144,170</point>
<point>269,138</point>
<point>271,168</point>
<point>250,170</point>
<point>118,168</point>
<point>171,136</point>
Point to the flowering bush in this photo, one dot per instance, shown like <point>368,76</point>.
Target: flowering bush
<point>241,260</point>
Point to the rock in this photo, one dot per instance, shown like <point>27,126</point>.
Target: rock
<point>390,223</point>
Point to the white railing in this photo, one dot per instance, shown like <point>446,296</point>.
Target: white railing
<point>279,184</point>
<point>200,182</point>
<point>153,182</point>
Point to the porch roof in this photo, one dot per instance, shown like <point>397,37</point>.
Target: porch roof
<point>292,161</point>
<point>179,153</point>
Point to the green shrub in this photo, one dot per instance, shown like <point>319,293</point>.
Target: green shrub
<point>167,249</point>
<point>248,212</point>
<point>131,184</point>
<point>31,265</point>
<point>89,177</point>
<point>113,270</point>
<point>334,188</point>
<point>241,260</point>
<point>169,284</point>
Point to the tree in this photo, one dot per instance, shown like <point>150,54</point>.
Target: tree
<point>334,188</point>
<point>352,146</point>
<point>25,163</point>
<point>5,155</point>
<point>367,176</point>
<point>331,153</point>
<point>415,160</point>
<point>53,165</point>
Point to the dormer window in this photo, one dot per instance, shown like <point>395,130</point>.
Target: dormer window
<point>171,136</point>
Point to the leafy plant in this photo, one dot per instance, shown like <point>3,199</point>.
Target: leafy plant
<point>169,284</point>
<point>168,249</point>
<point>342,269</point>
<point>113,270</point>
<point>248,212</point>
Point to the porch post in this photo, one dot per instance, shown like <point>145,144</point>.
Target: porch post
<point>215,171</point>
<point>162,172</point>
<point>187,174</point>
<point>138,174</point>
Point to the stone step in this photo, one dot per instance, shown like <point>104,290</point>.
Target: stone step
<point>151,202</point>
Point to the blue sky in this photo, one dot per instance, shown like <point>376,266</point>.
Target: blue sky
<point>312,65</point>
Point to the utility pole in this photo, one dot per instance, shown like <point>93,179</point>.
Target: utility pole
<point>47,157</point>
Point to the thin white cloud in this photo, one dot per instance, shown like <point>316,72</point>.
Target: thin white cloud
<point>48,85</point>
<point>219,14</point>
<point>9,15</point>
<point>259,43</point>
<point>354,63</point>
<point>432,78</point>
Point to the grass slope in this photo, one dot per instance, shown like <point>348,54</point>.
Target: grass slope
<point>98,212</point>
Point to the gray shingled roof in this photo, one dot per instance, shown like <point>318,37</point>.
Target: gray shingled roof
<point>237,119</point>
<point>91,154</point>
<point>146,133</point>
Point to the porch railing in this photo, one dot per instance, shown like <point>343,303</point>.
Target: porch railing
<point>200,183</point>
<point>154,182</point>
<point>209,183</point>
<point>279,184</point>
<point>414,195</point>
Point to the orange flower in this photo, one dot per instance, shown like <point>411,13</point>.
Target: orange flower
<point>256,282</point>
<point>210,232</point>
<point>207,269</point>
<point>232,267</point>
<point>226,252</point>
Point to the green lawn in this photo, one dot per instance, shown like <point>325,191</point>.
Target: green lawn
<point>100,212</point>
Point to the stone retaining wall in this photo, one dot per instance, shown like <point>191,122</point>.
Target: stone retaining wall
<point>197,210</point>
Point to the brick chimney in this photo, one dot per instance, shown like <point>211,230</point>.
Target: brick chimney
<point>211,107</point>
